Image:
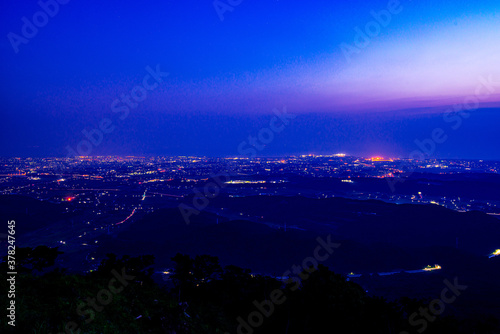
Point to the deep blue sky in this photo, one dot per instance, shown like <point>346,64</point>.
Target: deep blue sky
<point>226,77</point>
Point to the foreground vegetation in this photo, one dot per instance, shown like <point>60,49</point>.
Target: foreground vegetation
<point>200,296</point>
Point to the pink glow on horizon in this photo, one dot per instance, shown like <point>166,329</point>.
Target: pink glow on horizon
<point>430,67</point>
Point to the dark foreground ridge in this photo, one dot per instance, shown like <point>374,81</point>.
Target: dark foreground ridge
<point>200,296</point>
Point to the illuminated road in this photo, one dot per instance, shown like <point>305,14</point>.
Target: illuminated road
<point>495,254</point>
<point>130,216</point>
<point>425,270</point>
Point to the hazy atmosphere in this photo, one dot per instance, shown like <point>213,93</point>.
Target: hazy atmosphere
<point>362,77</point>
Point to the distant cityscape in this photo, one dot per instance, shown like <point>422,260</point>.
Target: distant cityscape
<point>120,184</point>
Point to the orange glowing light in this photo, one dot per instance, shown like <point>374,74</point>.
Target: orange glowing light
<point>380,159</point>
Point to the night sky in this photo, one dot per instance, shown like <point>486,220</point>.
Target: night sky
<point>358,77</point>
